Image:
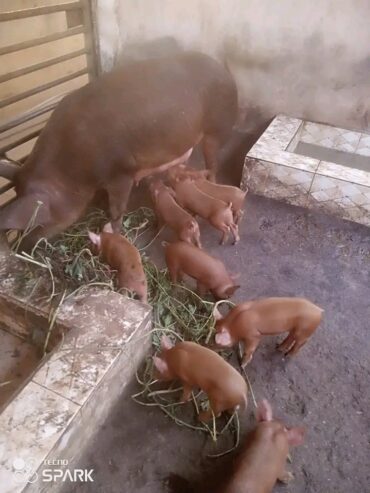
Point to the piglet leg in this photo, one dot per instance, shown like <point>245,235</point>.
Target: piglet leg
<point>186,393</point>
<point>296,347</point>
<point>250,345</point>
<point>210,147</point>
<point>235,231</point>
<point>285,477</point>
<point>201,289</point>
<point>287,343</point>
<point>206,416</point>
<point>225,229</point>
<point>238,216</point>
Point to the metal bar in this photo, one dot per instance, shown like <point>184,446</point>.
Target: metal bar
<point>8,202</point>
<point>6,187</point>
<point>44,87</point>
<point>22,131</point>
<point>20,141</point>
<point>95,37</point>
<point>28,117</point>
<point>44,39</point>
<point>89,40</point>
<point>22,14</point>
<point>41,65</point>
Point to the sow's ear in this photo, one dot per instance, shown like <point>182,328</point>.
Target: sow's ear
<point>264,411</point>
<point>19,213</point>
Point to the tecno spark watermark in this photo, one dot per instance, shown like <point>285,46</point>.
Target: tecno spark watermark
<point>52,471</point>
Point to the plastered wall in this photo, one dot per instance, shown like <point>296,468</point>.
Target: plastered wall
<point>305,58</point>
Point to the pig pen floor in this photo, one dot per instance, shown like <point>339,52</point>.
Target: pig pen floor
<point>284,251</point>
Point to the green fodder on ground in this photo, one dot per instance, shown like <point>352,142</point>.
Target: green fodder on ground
<point>58,270</point>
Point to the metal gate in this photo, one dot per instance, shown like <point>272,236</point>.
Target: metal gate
<point>46,51</point>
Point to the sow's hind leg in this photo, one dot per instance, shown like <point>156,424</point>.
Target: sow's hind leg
<point>119,192</point>
<point>220,117</point>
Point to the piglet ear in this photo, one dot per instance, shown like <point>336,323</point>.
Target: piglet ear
<point>95,239</point>
<point>108,228</point>
<point>264,411</point>
<point>216,313</point>
<point>166,343</point>
<point>160,365</point>
<point>296,436</point>
<point>223,338</point>
<point>231,290</point>
<point>190,225</point>
<point>236,276</point>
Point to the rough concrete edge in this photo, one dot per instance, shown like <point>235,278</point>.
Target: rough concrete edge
<point>7,259</point>
<point>331,208</point>
<point>95,410</point>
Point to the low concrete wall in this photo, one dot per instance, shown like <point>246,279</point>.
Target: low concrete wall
<point>306,59</point>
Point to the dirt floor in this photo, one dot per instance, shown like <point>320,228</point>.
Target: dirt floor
<point>284,251</point>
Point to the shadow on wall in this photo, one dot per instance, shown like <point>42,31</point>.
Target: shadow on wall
<point>160,47</point>
<point>306,59</point>
<point>317,83</point>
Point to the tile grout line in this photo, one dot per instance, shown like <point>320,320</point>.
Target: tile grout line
<point>57,393</point>
<point>313,177</point>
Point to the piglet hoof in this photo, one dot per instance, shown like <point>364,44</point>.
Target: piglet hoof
<point>245,361</point>
<point>204,416</point>
<point>286,477</point>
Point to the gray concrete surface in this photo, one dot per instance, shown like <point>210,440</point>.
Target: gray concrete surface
<point>284,251</point>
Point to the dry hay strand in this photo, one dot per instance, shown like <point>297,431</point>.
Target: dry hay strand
<point>59,270</point>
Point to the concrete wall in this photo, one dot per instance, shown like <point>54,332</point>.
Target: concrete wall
<point>305,58</point>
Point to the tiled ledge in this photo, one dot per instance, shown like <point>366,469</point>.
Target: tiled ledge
<point>71,393</point>
<point>273,169</point>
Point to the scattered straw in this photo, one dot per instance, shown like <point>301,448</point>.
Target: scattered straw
<point>2,384</point>
<point>68,266</point>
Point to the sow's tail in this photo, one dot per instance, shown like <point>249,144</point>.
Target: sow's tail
<point>8,169</point>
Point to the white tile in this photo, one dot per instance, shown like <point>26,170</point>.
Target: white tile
<point>29,427</point>
<point>331,137</point>
<point>105,319</point>
<point>291,176</point>
<point>75,373</point>
<point>347,141</point>
<point>284,158</point>
<point>363,147</point>
<point>279,133</point>
<point>281,182</point>
<point>333,170</point>
<point>350,200</point>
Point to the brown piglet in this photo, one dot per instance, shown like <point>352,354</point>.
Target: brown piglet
<point>122,256</point>
<point>226,193</point>
<point>199,367</point>
<point>262,461</point>
<point>209,272</point>
<point>182,171</point>
<point>249,321</point>
<point>217,212</point>
<point>169,212</point>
